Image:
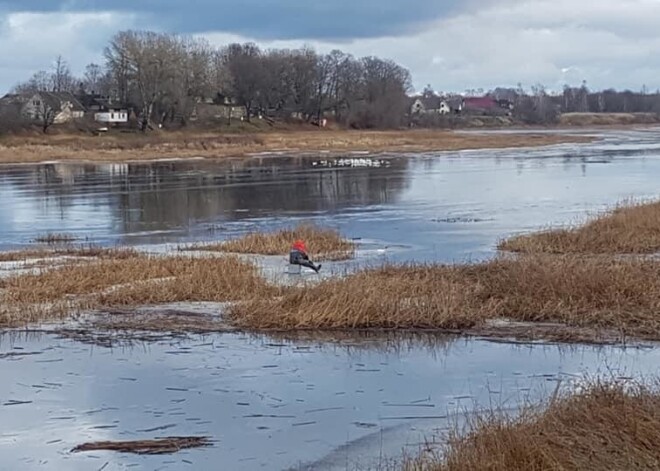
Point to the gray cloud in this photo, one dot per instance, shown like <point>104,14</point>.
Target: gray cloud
<point>265,19</point>
<point>482,44</point>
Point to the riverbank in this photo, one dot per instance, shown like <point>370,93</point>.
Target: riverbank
<point>570,432</point>
<point>121,147</point>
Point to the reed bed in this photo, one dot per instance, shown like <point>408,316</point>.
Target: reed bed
<point>83,251</point>
<point>630,228</point>
<point>322,243</point>
<point>158,446</point>
<point>593,292</point>
<point>606,427</point>
<point>55,238</point>
<point>129,281</point>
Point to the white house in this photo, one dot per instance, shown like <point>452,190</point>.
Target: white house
<point>112,116</point>
<point>105,110</point>
<point>429,104</point>
<point>57,107</point>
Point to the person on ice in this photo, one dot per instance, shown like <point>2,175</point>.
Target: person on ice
<point>298,256</point>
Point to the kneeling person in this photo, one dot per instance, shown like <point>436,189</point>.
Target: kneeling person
<point>298,256</point>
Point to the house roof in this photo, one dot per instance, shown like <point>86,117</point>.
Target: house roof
<point>430,102</point>
<point>55,100</point>
<point>102,102</point>
<point>480,102</point>
<point>11,104</point>
<point>455,101</point>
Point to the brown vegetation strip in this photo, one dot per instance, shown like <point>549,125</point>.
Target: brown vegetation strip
<point>583,292</point>
<point>627,229</point>
<point>131,146</point>
<point>130,281</point>
<point>66,251</point>
<point>322,243</point>
<point>147,447</point>
<point>607,427</point>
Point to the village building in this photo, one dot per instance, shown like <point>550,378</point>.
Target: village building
<point>104,110</point>
<point>58,107</point>
<point>429,104</point>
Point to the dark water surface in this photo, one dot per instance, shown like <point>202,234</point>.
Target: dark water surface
<point>438,206</point>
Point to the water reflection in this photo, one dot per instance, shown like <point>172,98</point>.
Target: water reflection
<point>427,207</point>
<point>134,198</point>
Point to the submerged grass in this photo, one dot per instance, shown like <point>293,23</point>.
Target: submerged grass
<point>52,238</point>
<point>322,243</point>
<point>598,293</point>
<point>605,427</point>
<point>627,229</point>
<point>146,447</point>
<point>131,280</point>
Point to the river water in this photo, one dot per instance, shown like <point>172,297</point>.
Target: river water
<point>315,404</point>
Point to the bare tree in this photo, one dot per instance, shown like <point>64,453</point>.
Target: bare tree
<point>93,78</point>
<point>45,115</point>
<point>61,78</point>
<point>39,82</point>
<point>144,64</point>
<point>384,88</point>
<point>245,70</point>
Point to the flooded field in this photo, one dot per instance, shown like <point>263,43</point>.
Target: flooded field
<point>421,207</point>
<point>273,403</point>
<point>270,404</point>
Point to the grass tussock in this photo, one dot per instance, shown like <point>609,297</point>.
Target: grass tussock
<point>322,243</point>
<point>607,427</point>
<point>621,295</point>
<point>627,229</point>
<point>132,280</point>
<point>158,446</point>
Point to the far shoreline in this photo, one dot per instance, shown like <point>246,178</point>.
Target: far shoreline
<point>207,145</point>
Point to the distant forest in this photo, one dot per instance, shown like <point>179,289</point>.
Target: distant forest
<point>163,76</point>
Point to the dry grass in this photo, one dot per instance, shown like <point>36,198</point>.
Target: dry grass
<point>158,446</point>
<point>131,146</point>
<point>89,251</point>
<point>322,243</point>
<point>607,119</point>
<point>627,229</point>
<point>623,295</point>
<point>605,428</point>
<point>129,281</point>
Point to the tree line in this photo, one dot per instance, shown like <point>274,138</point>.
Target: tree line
<point>162,77</point>
<point>539,106</point>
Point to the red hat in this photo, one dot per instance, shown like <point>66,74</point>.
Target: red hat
<point>299,245</point>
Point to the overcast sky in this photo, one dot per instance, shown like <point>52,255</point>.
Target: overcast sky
<point>453,45</point>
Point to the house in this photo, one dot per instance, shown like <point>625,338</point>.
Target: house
<point>481,105</point>
<point>57,107</point>
<point>11,106</point>
<point>455,103</point>
<point>104,109</point>
<point>220,107</point>
<point>429,104</point>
